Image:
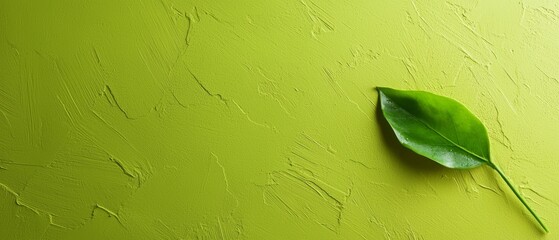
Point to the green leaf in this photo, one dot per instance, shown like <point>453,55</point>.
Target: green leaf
<point>436,127</point>
<point>440,129</point>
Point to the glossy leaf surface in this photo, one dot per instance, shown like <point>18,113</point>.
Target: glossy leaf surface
<point>436,127</point>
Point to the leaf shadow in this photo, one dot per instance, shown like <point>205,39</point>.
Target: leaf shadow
<point>406,157</point>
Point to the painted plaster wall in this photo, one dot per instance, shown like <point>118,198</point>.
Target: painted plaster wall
<point>174,119</point>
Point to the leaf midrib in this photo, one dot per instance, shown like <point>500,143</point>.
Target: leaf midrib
<point>443,136</point>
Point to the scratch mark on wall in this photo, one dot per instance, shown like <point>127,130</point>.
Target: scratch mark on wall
<point>32,116</point>
<point>458,73</point>
<point>340,91</point>
<point>124,169</point>
<point>526,187</point>
<point>108,211</point>
<point>96,56</point>
<point>504,96</point>
<point>37,211</point>
<point>331,220</point>
<point>207,91</point>
<point>64,77</point>
<point>9,190</point>
<point>53,223</point>
<point>270,88</point>
<point>248,117</point>
<point>507,143</point>
<point>8,122</point>
<point>66,111</point>
<point>227,187</point>
<point>410,68</point>
<point>220,228</point>
<point>422,19</point>
<point>108,93</point>
<point>14,47</point>
<point>379,223</point>
<point>9,162</point>
<point>169,230</point>
<point>484,186</point>
<point>547,75</point>
<point>461,13</point>
<point>318,19</point>
<point>190,18</point>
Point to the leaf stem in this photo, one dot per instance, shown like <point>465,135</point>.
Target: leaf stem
<point>518,195</point>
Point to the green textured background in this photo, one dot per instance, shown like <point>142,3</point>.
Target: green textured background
<point>177,119</point>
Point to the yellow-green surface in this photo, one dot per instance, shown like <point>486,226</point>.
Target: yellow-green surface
<point>174,119</point>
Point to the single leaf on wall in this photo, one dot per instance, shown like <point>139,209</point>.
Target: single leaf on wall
<point>442,130</point>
